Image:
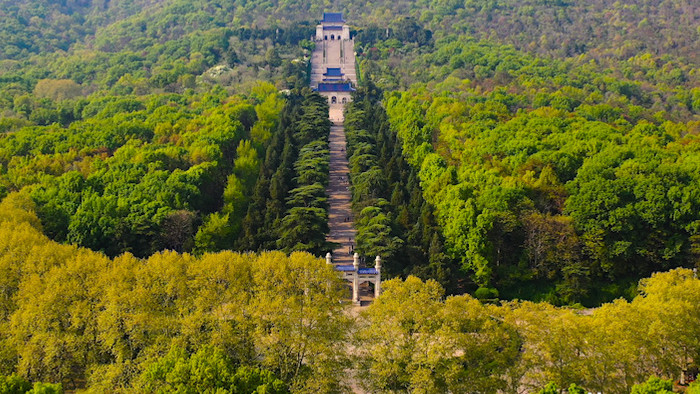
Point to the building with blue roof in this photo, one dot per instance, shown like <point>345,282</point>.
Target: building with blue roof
<point>332,27</point>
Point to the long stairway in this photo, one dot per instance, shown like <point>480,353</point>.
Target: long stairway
<point>340,215</point>
<point>340,54</point>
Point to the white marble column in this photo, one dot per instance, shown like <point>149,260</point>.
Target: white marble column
<point>355,280</point>
<point>378,281</point>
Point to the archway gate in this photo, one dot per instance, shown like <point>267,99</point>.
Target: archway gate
<point>357,276</point>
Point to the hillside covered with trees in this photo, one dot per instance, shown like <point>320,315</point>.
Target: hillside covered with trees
<point>163,169</point>
<point>549,175</point>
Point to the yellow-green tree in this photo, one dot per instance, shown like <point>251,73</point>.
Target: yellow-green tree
<point>410,339</point>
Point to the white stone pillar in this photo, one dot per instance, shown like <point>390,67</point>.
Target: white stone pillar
<point>329,258</point>
<point>355,280</point>
<point>378,281</point>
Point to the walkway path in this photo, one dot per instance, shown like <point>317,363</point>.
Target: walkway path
<point>340,54</point>
<point>340,215</point>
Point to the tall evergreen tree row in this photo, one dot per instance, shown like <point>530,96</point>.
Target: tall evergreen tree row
<point>289,208</point>
<point>392,218</point>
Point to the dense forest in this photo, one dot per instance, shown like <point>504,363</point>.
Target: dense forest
<point>550,175</point>
<point>271,322</point>
<point>550,172</point>
<point>541,200</point>
<point>163,170</point>
<point>178,172</point>
<point>141,174</point>
<point>552,194</point>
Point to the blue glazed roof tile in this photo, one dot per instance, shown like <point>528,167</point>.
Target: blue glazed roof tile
<point>333,17</point>
<point>345,268</point>
<point>333,72</point>
<point>335,87</point>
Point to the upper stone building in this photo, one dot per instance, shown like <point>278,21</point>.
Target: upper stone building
<point>332,27</point>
